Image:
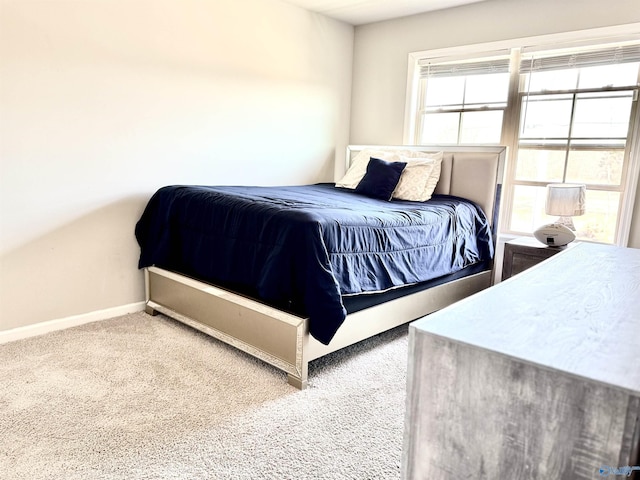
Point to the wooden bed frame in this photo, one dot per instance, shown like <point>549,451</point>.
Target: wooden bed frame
<point>282,339</point>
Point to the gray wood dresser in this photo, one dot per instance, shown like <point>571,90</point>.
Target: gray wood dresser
<point>537,377</point>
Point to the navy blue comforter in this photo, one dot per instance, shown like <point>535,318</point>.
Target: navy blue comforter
<point>301,248</point>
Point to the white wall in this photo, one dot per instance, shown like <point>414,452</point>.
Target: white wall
<point>104,101</point>
<point>381,53</point>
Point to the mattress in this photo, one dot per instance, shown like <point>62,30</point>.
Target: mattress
<point>305,248</point>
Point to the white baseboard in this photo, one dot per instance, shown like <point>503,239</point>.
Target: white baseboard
<point>41,328</point>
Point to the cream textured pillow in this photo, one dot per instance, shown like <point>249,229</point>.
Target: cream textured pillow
<point>359,167</point>
<point>359,163</point>
<point>418,180</point>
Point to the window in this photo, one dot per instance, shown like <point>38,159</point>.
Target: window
<point>575,117</point>
<point>568,115</point>
<point>463,102</point>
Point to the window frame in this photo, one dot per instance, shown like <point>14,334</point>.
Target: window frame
<point>511,118</point>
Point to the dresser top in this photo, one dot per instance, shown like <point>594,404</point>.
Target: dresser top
<point>578,312</point>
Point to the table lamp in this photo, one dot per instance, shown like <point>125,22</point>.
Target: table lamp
<point>566,200</point>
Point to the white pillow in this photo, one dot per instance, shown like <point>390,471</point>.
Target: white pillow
<point>418,179</point>
<point>359,167</point>
<point>359,164</point>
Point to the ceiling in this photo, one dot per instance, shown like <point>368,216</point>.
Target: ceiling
<point>359,12</point>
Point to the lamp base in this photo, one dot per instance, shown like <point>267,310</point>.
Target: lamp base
<point>567,222</point>
<point>554,235</point>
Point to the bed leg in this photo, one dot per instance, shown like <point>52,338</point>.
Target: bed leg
<point>150,311</point>
<point>297,382</point>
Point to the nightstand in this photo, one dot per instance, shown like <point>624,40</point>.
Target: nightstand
<point>525,252</point>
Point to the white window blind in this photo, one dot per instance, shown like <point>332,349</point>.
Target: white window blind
<point>433,68</point>
<point>553,60</point>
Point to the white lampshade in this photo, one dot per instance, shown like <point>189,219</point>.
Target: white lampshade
<point>565,199</point>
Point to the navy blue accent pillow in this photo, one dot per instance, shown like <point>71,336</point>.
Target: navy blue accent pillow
<point>381,178</point>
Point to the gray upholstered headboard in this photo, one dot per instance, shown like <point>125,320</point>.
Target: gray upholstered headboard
<point>473,172</point>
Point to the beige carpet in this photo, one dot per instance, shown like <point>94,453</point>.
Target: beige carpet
<point>140,397</point>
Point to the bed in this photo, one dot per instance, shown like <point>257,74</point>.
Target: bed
<point>226,261</point>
